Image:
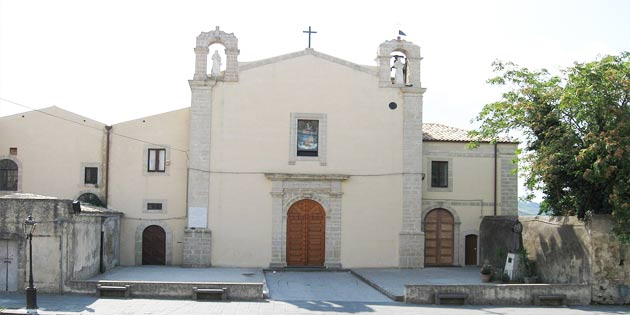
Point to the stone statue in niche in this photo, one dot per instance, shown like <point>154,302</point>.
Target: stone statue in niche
<point>399,70</point>
<point>216,64</point>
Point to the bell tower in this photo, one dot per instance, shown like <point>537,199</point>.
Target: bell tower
<point>197,236</point>
<point>407,80</point>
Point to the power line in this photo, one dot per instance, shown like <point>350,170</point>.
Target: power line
<point>88,126</point>
<point>185,151</point>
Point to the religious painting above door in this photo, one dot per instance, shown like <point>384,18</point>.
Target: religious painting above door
<point>307,137</point>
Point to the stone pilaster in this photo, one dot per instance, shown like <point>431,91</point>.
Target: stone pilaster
<point>197,239</point>
<point>199,153</point>
<point>197,248</point>
<point>411,239</point>
<point>509,184</point>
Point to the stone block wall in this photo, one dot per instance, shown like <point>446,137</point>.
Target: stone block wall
<point>197,248</point>
<point>571,251</point>
<point>497,238</point>
<point>66,245</point>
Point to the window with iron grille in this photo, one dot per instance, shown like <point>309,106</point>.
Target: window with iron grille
<point>8,175</point>
<point>154,206</point>
<point>91,175</point>
<point>439,174</point>
<point>157,160</point>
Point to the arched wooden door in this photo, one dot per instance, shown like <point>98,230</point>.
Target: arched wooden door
<point>153,246</point>
<point>438,238</point>
<point>306,234</point>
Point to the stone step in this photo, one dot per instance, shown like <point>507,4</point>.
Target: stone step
<point>550,299</point>
<point>451,298</point>
<point>209,294</point>
<point>113,291</point>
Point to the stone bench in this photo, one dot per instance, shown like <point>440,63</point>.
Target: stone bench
<point>544,299</point>
<point>440,296</point>
<point>113,291</point>
<point>210,294</point>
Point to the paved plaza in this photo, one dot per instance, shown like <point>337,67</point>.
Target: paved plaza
<point>90,305</point>
<point>290,293</point>
<point>179,274</point>
<point>321,286</point>
<point>394,280</point>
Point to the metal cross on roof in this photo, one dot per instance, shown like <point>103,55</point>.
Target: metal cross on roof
<point>309,35</point>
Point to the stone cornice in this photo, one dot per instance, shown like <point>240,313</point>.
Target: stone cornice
<point>308,51</point>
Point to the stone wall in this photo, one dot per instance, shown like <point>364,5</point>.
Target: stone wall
<point>570,251</point>
<point>499,294</point>
<point>66,245</point>
<point>497,238</point>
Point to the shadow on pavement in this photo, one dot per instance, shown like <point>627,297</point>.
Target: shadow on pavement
<point>70,303</point>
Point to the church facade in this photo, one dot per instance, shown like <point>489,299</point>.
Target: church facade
<point>302,159</point>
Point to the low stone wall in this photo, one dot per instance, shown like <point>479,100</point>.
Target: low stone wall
<point>568,250</point>
<point>499,294</point>
<point>175,290</point>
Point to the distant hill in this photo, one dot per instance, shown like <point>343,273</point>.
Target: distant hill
<point>528,208</point>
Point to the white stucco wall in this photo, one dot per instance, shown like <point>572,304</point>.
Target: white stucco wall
<point>251,135</point>
<point>131,185</point>
<point>52,145</point>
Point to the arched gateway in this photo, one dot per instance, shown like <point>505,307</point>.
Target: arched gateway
<point>306,234</point>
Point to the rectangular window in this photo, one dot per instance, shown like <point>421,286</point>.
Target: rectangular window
<point>91,175</point>
<point>307,137</point>
<point>157,160</point>
<point>154,206</point>
<point>439,174</point>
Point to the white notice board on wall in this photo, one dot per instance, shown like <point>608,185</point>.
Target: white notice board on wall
<point>197,217</point>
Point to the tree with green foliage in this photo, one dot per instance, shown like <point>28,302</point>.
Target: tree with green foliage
<point>576,129</point>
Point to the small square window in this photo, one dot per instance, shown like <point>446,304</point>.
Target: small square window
<point>307,137</point>
<point>91,175</point>
<point>157,160</point>
<point>439,174</point>
<point>155,206</point>
<point>13,151</point>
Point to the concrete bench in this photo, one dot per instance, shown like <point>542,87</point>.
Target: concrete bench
<point>440,296</point>
<point>210,294</point>
<point>113,291</point>
<point>544,299</point>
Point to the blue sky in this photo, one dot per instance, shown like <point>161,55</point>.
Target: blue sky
<point>118,60</point>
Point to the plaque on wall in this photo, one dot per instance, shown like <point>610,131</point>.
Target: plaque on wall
<point>197,217</point>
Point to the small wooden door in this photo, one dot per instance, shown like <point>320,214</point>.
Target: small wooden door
<point>8,266</point>
<point>439,238</point>
<point>306,234</point>
<point>153,246</point>
<point>471,250</point>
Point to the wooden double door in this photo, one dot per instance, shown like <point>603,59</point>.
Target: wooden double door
<point>438,238</point>
<point>306,234</point>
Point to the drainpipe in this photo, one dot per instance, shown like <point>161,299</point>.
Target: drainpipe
<point>495,179</point>
<point>109,129</point>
